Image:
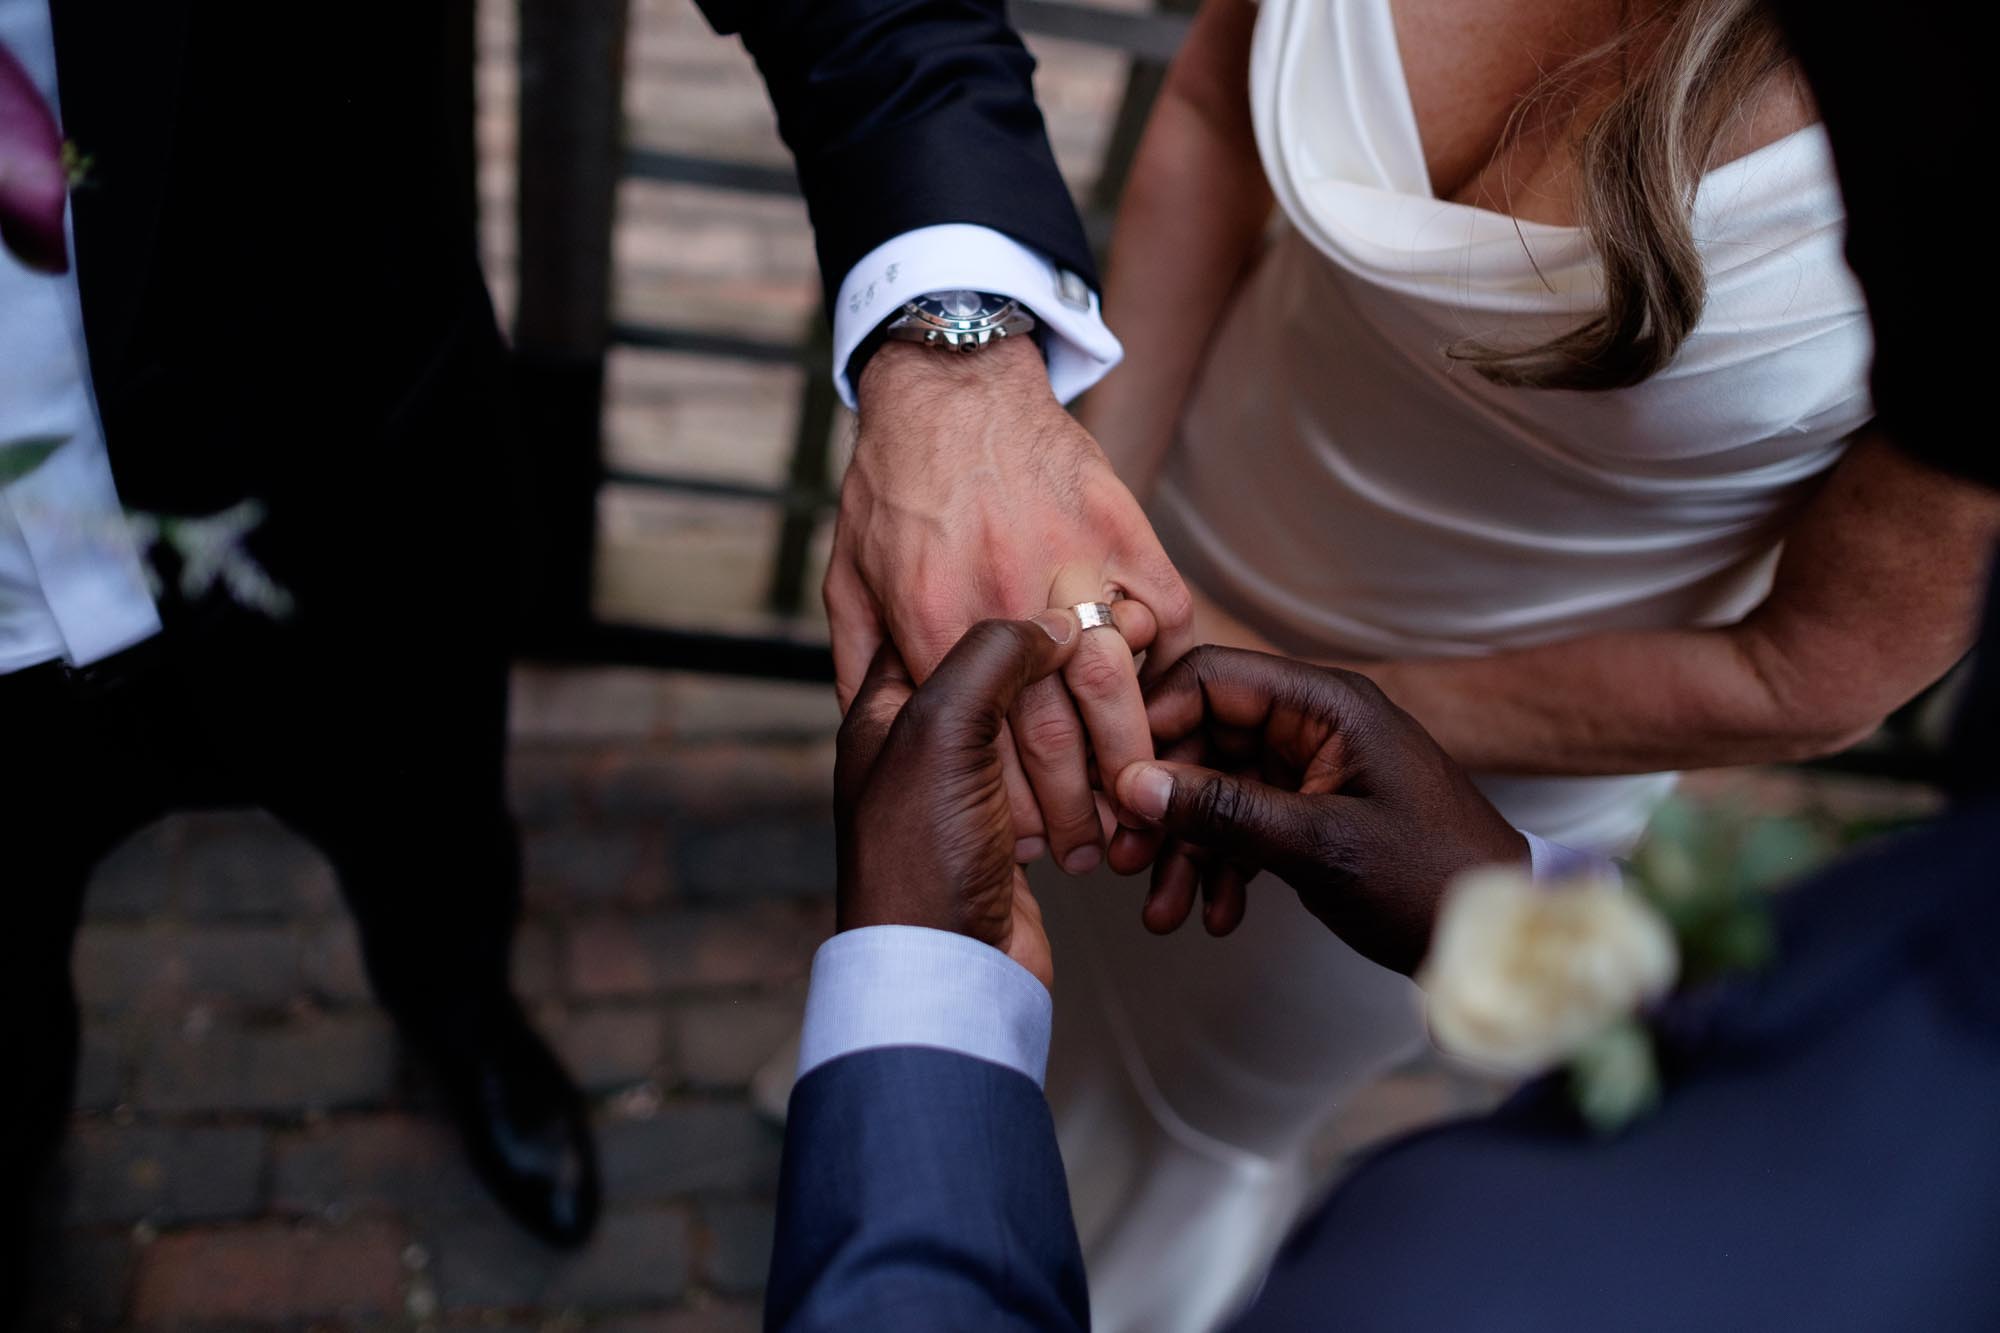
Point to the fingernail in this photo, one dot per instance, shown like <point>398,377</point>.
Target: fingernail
<point>1029,849</point>
<point>1083,860</point>
<point>1058,625</point>
<point>1147,791</point>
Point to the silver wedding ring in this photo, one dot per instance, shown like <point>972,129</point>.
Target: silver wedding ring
<point>1094,615</point>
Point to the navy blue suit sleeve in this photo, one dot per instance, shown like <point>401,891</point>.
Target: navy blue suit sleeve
<point>922,1190</point>
<point>908,113</point>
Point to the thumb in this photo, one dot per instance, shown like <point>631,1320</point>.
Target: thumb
<point>982,677</point>
<point>870,714</point>
<point>1283,831</point>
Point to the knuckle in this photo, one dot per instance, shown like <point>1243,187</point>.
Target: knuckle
<point>1070,820</point>
<point>1099,675</point>
<point>1045,731</point>
<point>935,610</point>
<point>1217,803</point>
<point>1348,696</point>
<point>1173,604</point>
<point>1363,688</point>
<point>1201,660</point>
<point>1182,678</point>
<point>1206,662</point>
<point>926,720</point>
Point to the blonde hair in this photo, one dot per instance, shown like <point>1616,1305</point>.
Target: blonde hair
<point>1638,167</point>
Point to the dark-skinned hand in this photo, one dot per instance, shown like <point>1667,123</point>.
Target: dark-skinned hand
<point>1313,774</point>
<point>926,835</point>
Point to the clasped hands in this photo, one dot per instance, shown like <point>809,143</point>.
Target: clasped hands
<point>1268,764</point>
<point>972,493</point>
<point>964,753</point>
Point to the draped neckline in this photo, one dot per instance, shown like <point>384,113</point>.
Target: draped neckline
<point>1339,134</point>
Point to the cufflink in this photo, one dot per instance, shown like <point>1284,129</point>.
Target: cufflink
<point>1072,291</point>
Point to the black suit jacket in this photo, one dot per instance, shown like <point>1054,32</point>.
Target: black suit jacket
<point>906,113</point>
<point>279,283</point>
<point>277,260</point>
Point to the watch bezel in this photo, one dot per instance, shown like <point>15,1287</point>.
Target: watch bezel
<point>995,306</point>
<point>916,324</point>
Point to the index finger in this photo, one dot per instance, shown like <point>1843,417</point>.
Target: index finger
<point>1241,689</point>
<point>1299,838</point>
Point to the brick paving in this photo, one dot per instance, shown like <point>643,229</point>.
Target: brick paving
<point>253,1148</point>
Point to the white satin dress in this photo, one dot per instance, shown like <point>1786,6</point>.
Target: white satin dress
<point>1342,486</point>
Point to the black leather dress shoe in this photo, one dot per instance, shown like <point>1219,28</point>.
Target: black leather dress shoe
<point>526,1128</point>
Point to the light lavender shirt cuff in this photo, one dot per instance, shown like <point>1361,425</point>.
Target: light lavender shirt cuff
<point>909,986</point>
<point>1551,861</point>
<point>958,255</point>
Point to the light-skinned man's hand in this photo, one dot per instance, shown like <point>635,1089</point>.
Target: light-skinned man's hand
<point>925,834</point>
<point>1313,774</point>
<point>973,494</point>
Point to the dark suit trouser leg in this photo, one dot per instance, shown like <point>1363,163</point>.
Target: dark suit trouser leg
<point>411,810</point>
<point>389,759</point>
<point>71,797</point>
<point>38,1016</point>
<point>388,754</point>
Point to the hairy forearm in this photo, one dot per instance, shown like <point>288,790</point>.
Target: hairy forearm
<point>908,379</point>
<point>1875,596</point>
<point>1191,222</point>
<point>1635,702</point>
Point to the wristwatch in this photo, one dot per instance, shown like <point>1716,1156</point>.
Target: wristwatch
<point>957,321</point>
<point>963,321</point>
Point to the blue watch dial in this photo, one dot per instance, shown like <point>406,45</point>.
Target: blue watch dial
<point>961,309</point>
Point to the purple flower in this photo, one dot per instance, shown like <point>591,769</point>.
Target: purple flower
<point>33,180</point>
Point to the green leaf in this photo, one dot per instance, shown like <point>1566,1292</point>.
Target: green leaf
<point>20,457</point>
<point>1615,1078</point>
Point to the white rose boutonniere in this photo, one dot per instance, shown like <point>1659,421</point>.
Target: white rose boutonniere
<point>1520,975</point>
<point>1524,977</point>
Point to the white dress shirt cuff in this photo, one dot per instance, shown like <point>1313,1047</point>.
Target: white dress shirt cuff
<point>955,255</point>
<point>1551,861</point>
<point>908,986</point>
